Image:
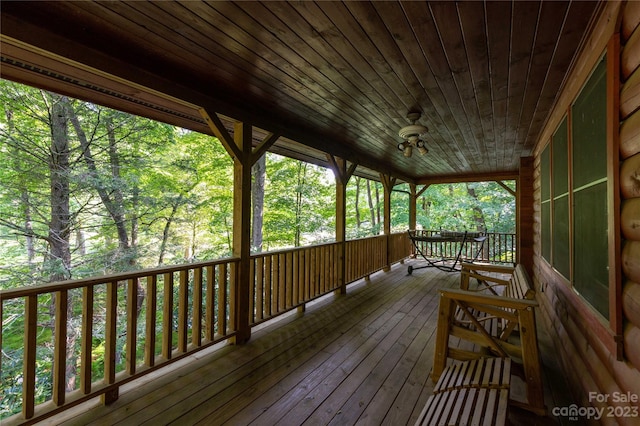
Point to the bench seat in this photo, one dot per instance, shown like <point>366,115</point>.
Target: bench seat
<point>472,392</point>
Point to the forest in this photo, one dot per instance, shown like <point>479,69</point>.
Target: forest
<point>86,190</point>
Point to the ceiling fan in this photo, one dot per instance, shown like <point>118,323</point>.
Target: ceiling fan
<point>412,135</point>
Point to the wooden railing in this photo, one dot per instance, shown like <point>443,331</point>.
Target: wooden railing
<point>283,280</point>
<point>497,248</point>
<point>286,279</point>
<point>149,318</point>
<point>153,317</point>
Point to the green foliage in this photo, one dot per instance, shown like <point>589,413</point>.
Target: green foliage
<point>142,194</point>
<point>299,204</point>
<point>452,207</point>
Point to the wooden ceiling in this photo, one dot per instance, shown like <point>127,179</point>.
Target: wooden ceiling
<point>338,77</point>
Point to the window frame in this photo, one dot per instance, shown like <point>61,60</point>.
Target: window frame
<point>609,330</point>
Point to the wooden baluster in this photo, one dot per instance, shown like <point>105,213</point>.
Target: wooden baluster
<point>267,286</point>
<point>260,299</point>
<point>295,277</point>
<point>252,291</point>
<point>301,279</point>
<point>312,273</point>
<point>167,316</point>
<point>132,324</point>
<point>289,279</point>
<point>282,285</point>
<point>29,358</point>
<point>196,321</point>
<point>87,339</point>
<point>307,274</point>
<point>60,348</point>
<point>222,299</point>
<point>322,268</point>
<point>210,304</point>
<point>183,309</point>
<point>150,322</point>
<point>110,342</point>
<point>326,284</point>
<point>275,283</point>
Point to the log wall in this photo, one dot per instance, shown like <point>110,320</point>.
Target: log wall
<point>629,183</point>
<point>588,347</point>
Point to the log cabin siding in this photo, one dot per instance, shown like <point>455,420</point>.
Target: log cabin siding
<point>587,346</point>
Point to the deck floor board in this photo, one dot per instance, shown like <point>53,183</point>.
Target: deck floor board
<point>361,358</point>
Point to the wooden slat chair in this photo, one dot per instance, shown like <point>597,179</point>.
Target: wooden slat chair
<point>518,286</point>
<point>522,349</point>
<point>473,392</point>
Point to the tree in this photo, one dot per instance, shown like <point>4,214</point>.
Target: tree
<point>299,205</point>
<point>472,206</point>
<point>258,172</point>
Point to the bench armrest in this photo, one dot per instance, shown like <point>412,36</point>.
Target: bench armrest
<point>483,267</point>
<point>488,299</point>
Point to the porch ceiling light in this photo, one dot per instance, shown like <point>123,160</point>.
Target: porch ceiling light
<point>412,135</point>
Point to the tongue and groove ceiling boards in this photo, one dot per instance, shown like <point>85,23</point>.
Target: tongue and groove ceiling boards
<point>337,77</point>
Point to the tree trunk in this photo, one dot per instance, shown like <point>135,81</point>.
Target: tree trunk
<point>302,172</point>
<point>59,226</point>
<point>358,221</point>
<point>28,226</point>
<point>112,204</point>
<point>377,204</point>
<point>478,215</point>
<point>257,200</point>
<point>118,197</point>
<point>165,232</point>
<point>24,196</point>
<point>133,217</point>
<point>372,210</point>
<point>81,245</point>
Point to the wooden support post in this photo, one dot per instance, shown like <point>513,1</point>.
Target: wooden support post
<point>242,228</point>
<point>342,175</point>
<point>524,214</point>
<point>244,156</point>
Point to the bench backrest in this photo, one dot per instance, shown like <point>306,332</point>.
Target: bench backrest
<point>520,286</point>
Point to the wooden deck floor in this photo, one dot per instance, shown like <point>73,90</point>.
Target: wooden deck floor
<point>363,358</point>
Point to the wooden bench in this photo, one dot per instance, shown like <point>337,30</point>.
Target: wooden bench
<point>473,392</point>
<point>473,324</point>
<point>517,286</point>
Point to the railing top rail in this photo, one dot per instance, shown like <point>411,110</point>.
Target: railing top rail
<point>102,279</point>
<point>293,249</point>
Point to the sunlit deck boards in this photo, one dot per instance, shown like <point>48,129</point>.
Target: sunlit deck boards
<point>363,358</point>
